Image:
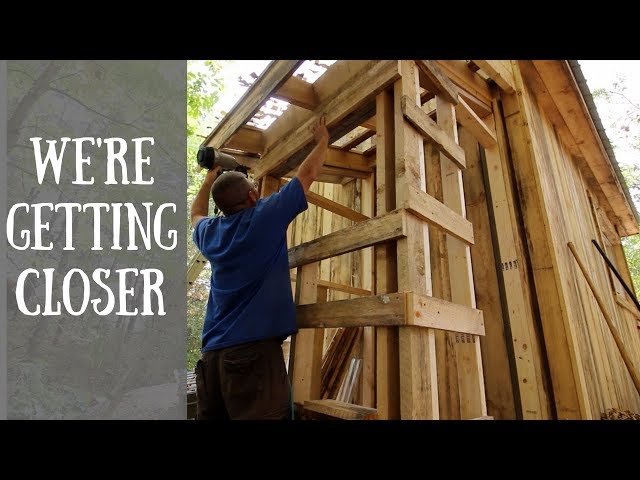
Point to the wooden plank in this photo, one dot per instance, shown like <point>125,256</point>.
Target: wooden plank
<point>333,80</point>
<point>247,139</point>
<point>335,207</point>
<point>298,92</point>
<point>467,347</point>
<point>434,79</point>
<point>448,395</point>
<point>470,120</point>
<point>357,94</point>
<point>387,356</point>
<point>418,375</point>
<point>635,376</point>
<point>569,389</point>
<point>276,73</point>
<point>358,140</point>
<point>385,309</point>
<point>306,367</point>
<point>430,130</point>
<point>431,312</point>
<point>348,160</point>
<point>326,284</point>
<point>340,410</point>
<point>427,208</point>
<point>499,72</point>
<point>368,377</point>
<point>513,277</point>
<point>364,234</point>
<point>562,87</point>
<point>473,88</point>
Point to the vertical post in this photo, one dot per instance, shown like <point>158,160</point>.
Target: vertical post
<point>418,375</point>
<point>369,333</point>
<point>387,356</point>
<point>467,347</point>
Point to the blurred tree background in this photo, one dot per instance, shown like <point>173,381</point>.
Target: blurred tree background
<point>205,86</point>
<point>624,133</point>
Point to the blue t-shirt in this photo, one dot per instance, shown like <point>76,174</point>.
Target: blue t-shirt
<point>250,297</point>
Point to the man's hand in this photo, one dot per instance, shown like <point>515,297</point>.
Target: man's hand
<point>320,132</point>
<point>310,168</point>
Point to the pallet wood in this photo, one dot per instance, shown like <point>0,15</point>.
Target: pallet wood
<point>387,348</point>
<point>418,375</point>
<point>340,410</point>
<point>368,376</point>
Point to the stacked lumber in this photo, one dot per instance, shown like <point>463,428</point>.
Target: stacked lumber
<point>336,360</point>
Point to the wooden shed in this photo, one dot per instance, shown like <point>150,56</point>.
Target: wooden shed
<point>432,270</point>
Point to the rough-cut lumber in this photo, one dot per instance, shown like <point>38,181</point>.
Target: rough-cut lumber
<point>340,410</point>
<point>385,309</point>
<point>470,120</point>
<point>429,209</point>
<point>499,72</point>
<point>298,92</point>
<point>340,287</point>
<point>247,139</point>
<point>473,88</point>
<point>364,234</point>
<point>276,73</point>
<point>358,140</point>
<point>418,375</point>
<point>424,311</point>
<point>344,107</point>
<point>607,318</point>
<point>392,309</point>
<point>435,80</point>
<point>430,130</point>
<point>306,362</point>
<point>335,207</point>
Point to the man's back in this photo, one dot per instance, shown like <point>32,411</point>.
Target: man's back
<point>250,296</point>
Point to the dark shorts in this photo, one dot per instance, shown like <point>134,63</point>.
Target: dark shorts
<point>243,382</point>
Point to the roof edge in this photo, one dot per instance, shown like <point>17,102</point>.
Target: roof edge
<point>595,117</point>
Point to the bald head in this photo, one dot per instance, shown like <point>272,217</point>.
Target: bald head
<point>230,192</point>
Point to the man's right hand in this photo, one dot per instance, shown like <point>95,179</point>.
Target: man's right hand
<point>320,132</point>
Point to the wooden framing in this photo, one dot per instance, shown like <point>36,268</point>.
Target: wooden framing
<point>459,289</point>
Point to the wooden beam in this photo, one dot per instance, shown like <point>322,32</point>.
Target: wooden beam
<point>298,92</point>
<point>358,140</point>
<point>513,277</point>
<point>418,374</point>
<point>427,208</point>
<point>326,284</point>
<point>430,130</point>
<point>276,73</point>
<point>473,87</point>
<point>348,160</point>
<point>368,378</point>
<point>467,347</point>
<point>435,80</point>
<point>335,207</point>
<point>391,309</point>
<point>340,410</point>
<point>387,380</point>
<point>344,108</point>
<point>386,309</point>
<point>498,71</point>
<point>247,139</point>
<point>370,232</point>
<point>306,364</point>
<point>431,312</point>
<point>478,128</point>
<point>564,359</point>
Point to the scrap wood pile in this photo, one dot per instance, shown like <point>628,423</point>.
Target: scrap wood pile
<point>615,414</point>
<point>340,370</point>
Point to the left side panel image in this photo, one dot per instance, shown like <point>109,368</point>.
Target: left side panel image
<point>96,239</point>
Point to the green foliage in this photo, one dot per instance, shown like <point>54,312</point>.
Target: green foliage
<point>626,129</point>
<point>204,89</point>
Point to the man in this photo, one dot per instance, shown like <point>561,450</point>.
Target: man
<point>250,311</point>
